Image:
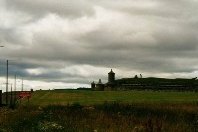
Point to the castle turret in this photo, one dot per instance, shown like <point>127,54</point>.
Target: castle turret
<point>99,82</point>
<point>111,77</point>
<point>99,86</point>
<point>93,85</point>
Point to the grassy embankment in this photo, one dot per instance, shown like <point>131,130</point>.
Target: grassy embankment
<point>113,111</point>
<point>64,97</point>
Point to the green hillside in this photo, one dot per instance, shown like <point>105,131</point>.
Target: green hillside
<point>88,111</point>
<point>99,97</point>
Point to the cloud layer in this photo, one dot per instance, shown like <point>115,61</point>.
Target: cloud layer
<point>75,42</point>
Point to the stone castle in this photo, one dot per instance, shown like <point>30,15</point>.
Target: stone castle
<point>108,86</point>
<point>140,83</point>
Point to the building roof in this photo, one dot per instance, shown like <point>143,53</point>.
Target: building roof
<point>99,82</point>
<point>111,71</point>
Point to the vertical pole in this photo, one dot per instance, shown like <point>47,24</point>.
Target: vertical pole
<point>11,96</point>
<point>15,89</point>
<point>0,97</point>
<point>15,82</point>
<point>22,85</point>
<point>7,85</point>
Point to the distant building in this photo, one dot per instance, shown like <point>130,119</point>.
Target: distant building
<point>99,86</point>
<point>141,83</point>
<point>93,85</point>
<point>108,86</point>
<point>111,77</point>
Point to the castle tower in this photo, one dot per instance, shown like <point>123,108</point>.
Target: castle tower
<point>99,86</point>
<point>93,85</point>
<point>111,77</point>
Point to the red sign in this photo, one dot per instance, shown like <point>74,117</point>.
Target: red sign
<point>24,95</point>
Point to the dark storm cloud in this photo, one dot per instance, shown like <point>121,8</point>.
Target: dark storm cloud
<point>66,41</point>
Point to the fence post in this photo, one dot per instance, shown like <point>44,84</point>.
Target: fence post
<point>0,97</point>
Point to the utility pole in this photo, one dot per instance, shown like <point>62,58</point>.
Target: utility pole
<point>15,89</point>
<point>7,85</point>
<point>11,96</point>
<point>15,82</point>
<point>0,97</point>
<point>22,85</point>
<point>1,90</point>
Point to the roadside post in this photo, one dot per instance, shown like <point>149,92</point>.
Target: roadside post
<point>0,97</point>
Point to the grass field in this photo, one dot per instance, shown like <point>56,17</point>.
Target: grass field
<point>83,97</point>
<point>103,111</point>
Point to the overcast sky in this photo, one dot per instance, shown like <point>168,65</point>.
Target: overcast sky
<point>69,43</point>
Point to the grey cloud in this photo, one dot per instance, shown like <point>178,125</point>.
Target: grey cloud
<point>37,8</point>
<point>9,36</point>
<point>164,9</point>
<point>160,37</point>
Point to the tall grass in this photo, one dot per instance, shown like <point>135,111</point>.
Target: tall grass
<point>106,117</point>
